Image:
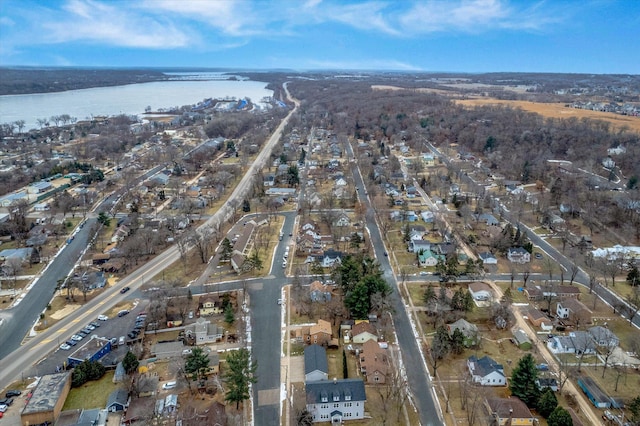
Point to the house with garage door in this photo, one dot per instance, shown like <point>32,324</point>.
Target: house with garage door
<point>315,363</point>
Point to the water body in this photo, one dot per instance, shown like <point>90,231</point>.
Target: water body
<point>130,99</point>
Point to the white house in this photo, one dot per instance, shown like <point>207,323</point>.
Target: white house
<point>604,337</point>
<point>480,291</point>
<point>342,220</point>
<point>488,258</point>
<point>330,258</point>
<point>518,255</point>
<point>486,371</point>
<point>336,401</point>
<point>577,342</point>
<point>341,182</point>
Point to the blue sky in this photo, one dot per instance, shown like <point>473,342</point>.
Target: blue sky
<point>580,36</point>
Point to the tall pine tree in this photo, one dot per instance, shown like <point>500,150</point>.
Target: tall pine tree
<point>523,381</point>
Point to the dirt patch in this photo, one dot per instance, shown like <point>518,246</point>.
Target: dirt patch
<point>64,311</point>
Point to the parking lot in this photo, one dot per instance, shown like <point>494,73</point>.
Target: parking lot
<point>113,328</point>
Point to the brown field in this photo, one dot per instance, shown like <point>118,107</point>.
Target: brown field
<point>558,110</point>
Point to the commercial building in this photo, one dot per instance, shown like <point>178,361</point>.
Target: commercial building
<point>93,350</point>
<point>47,399</point>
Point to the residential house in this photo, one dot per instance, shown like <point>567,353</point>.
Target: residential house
<point>374,364</point>
<point>537,293</point>
<point>604,337</point>
<point>236,262</point>
<point>411,191</point>
<point>574,310</point>
<point>320,333</point>
<point>510,411</point>
<point>577,342</point>
<point>487,219</point>
<point>209,304</point>
<point>488,258</point>
<point>518,255</point>
<point>269,179</point>
<point>331,257</point>
<point>428,258</point>
<point>204,332</point>
<point>547,382</point>
<point>415,246</point>
<point>486,371</point>
<point>336,401</point>
<point>521,339</point>
<point>427,216</point>
<point>468,330</point>
<point>480,291</point>
<point>120,233</point>
<point>315,363</point>
<point>342,220</point>
<point>340,182</point>
<point>363,331</point>
<point>319,292</point>
<point>118,400</point>
<point>539,319</point>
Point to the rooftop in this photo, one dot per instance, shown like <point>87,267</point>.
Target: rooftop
<point>335,391</point>
<point>46,394</point>
<point>315,359</point>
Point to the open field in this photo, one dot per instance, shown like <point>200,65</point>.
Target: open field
<point>559,110</point>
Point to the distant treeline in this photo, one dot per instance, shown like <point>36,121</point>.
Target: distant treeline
<point>17,81</point>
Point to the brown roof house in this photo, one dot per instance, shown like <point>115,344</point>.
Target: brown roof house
<point>319,292</point>
<point>209,304</point>
<point>510,411</point>
<point>539,319</point>
<point>320,333</point>
<point>574,311</point>
<point>363,331</point>
<point>374,364</point>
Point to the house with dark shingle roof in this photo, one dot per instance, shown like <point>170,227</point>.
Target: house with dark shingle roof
<point>118,400</point>
<point>604,337</point>
<point>315,363</point>
<point>336,401</point>
<point>486,371</point>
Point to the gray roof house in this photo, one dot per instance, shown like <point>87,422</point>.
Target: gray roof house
<point>315,363</point>
<point>470,331</point>
<point>118,400</point>
<point>335,401</point>
<point>486,371</point>
<point>604,337</point>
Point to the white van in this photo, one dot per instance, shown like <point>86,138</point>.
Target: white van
<point>121,341</point>
<point>169,385</point>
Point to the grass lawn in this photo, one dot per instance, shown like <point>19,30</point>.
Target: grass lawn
<point>628,381</point>
<point>91,394</point>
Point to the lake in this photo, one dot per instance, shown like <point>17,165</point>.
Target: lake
<point>130,99</point>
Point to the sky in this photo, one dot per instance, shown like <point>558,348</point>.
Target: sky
<point>575,36</point>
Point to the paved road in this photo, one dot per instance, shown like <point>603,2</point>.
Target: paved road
<point>417,374</point>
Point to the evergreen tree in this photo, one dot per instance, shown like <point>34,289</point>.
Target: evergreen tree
<point>229,316</point>
<point>457,342</point>
<point>547,403</point>
<point>560,417</point>
<point>130,363</point>
<point>226,249</point>
<point>197,364</point>
<point>523,381</point>
<point>633,277</point>
<point>240,372</point>
<point>634,409</point>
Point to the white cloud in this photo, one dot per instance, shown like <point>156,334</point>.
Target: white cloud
<point>105,23</point>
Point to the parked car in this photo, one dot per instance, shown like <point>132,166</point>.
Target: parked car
<point>538,255</point>
<point>83,333</point>
<point>6,401</point>
<point>103,317</point>
<point>279,301</point>
<point>123,313</point>
<point>71,342</point>
<point>76,337</point>
<point>90,327</point>
<point>3,408</point>
<point>13,392</point>
<point>125,289</point>
<point>542,367</point>
<point>169,385</point>
<point>94,324</point>
<point>65,347</point>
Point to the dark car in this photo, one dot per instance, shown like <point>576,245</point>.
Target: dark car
<point>82,333</point>
<point>12,392</point>
<point>124,290</point>
<point>6,401</point>
<point>386,254</point>
<point>123,313</point>
<point>132,335</point>
<point>71,342</point>
<point>95,324</point>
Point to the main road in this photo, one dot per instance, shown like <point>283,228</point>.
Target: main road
<point>417,374</point>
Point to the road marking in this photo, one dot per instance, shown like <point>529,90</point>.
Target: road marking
<point>75,320</point>
<point>46,341</point>
<point>62,330</point>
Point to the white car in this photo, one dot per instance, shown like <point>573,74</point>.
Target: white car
<point>76,337</point>
<point>65,347</point>
<point>169,385</point>
<point>103,317</point>
<point>3,408</point>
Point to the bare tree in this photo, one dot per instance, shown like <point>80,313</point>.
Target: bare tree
<point>393,396</point>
